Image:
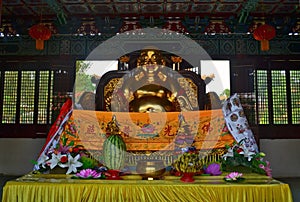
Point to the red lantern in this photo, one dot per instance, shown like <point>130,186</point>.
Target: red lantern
<point>40,33</point>
<point>264,33</point>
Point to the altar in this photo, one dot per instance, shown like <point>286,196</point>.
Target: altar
<point>57,188</point>
<point>143,131</point>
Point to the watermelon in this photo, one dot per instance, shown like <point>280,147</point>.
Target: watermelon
<point>114,151</point>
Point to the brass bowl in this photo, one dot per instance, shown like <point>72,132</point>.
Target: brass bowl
<point>150,168</point>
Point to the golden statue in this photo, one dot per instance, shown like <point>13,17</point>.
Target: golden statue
<point>157,88</point>
<point>150,57</point>
<point>153,98</point>
<point>112,127</point>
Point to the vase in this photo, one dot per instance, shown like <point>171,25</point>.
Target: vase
<point>187,177</point>
<point>113,175</point>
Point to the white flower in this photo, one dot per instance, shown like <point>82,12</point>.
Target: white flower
<point>228,154</point>
<point>247,153</point>
<point>53,146</point>
<point>42,160</point>
<point>54,160</point>
<point>72,163</point>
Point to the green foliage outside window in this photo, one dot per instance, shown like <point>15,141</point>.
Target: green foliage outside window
<point>83,81</point>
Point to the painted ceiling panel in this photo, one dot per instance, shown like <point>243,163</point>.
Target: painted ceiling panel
<point>264,8</point>
<point>227,8</point>
<point>78,9</point>
<point>126,8</point>
<point>205,1</point>
<point>198,12</point>
<point>197,15</point>
<point>178,1</point>
<point>158,7</point>
<point>152,1</point>
<point>231,1</point>
<point>152,8</point>
<point>11,2</point>
<point>286,8</point>
<point>177,7</point>
<point>20,10</point>
<point>34,2</point>
<point>72,1</point>
<point>102,8</point>
<point>270,1</point>
<point>125,1</point>
<point>98,1</point>
<point>202,8</point>
<point>42,10</point>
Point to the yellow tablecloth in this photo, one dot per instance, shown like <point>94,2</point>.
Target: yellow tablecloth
<point>207,189</point>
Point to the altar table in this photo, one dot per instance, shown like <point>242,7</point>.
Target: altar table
<point>205,188</point>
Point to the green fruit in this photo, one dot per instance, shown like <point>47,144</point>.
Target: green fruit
<point>114,151</point>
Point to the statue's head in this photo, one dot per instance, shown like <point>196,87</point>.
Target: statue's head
<point>150,57</point>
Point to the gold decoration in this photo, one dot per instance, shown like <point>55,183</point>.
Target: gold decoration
<point>176,59</point>
<point>139,76</point>
<point>150,75</point>
<point>191,90</point>
<point>162,76</point>
<point>124,59</point>
<point>108,91</point>
<point>112,127</point>
<point>152,98</point>
<point>150,57</point>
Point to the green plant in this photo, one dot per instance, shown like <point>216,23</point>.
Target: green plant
<point>239,158</point>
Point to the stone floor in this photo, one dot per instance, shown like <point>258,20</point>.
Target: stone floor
<point>294,184</point>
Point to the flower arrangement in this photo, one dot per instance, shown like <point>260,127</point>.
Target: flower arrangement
<point>188,161</point>
<point>239,158</point>
<point>64,154</point>
<point>234,177</point>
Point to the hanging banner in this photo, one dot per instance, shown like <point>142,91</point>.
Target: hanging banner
<point>237,123</point>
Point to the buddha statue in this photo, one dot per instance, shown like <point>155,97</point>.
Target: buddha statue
<point>153,98</point>
<point>150,87</point>
<point>150,57</point>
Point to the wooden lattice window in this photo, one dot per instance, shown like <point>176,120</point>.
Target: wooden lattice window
<point>278,95</point>
<point>26,97</point>
<point>262,96</point>
<point>272,101</point>
<point>295,95</point>
<point>9,107</point>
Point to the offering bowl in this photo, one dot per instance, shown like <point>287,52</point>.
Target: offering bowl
<point>150,168</point>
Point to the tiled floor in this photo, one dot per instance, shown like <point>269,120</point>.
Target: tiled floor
<point>294,184</point>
